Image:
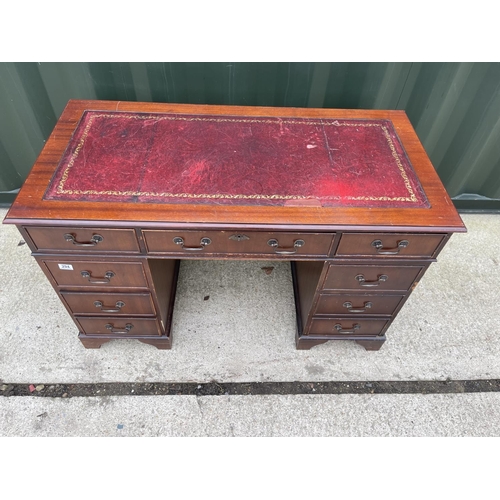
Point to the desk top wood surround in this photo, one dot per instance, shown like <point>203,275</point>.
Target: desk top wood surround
<point>173,165</point>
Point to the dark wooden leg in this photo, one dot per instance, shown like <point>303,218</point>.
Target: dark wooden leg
<point>304,343</point>
<point>372,345</point>
<point>92,343</point>
<point>161,343</point>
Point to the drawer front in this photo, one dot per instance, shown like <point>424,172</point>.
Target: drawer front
<point>97,274</point>
<point>77,239</point>
<point>119,326</point>
<point>199,243</point>
<point>115,304</point>
<point>371,278</point>
<point>348,327</point>
<point>358,304</point>
<point>389,244</point>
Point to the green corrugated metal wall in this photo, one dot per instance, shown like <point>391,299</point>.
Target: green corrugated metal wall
<point>454,107</point>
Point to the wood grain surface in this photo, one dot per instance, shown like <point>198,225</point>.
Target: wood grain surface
<point>29,205</point>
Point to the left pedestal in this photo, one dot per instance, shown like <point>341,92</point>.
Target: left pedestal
<point>109,297</point>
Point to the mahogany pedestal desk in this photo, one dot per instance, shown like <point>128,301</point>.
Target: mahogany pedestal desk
<point>122,191</point>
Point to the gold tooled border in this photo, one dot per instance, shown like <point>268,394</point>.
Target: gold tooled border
<point>60,187</point>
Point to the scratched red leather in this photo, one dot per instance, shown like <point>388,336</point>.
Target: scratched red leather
<point>167,158</point>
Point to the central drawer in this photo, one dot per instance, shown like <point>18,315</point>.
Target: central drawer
<point>238,242</point>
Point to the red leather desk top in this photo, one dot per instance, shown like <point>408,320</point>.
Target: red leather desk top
<point>235,160</point>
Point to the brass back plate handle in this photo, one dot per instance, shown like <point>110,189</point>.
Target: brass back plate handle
<point>203,243</point>
<point>389,251</point>
<point>106,309</point>
<point>348,305</point>
<point>339,328</point>
<point>285,250</point>
<point>106,279</point>
<point>381,278</point>
<point>96,238</point>
<point>127,329</point>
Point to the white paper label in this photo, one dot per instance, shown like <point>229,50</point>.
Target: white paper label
<point>66,267</point>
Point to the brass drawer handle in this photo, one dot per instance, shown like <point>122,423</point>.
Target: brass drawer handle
<point>111,327</point>
<point>104,309</point>
<point>348,305</point>
<point>286,250</point>
<point>389,251</point>
<point>377,282</point>
<point>203,243</point>
<point>338,327</point>
<point>97,238</point>
<point>106,279</point>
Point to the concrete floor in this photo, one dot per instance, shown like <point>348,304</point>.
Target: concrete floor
<point>244,332</point>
